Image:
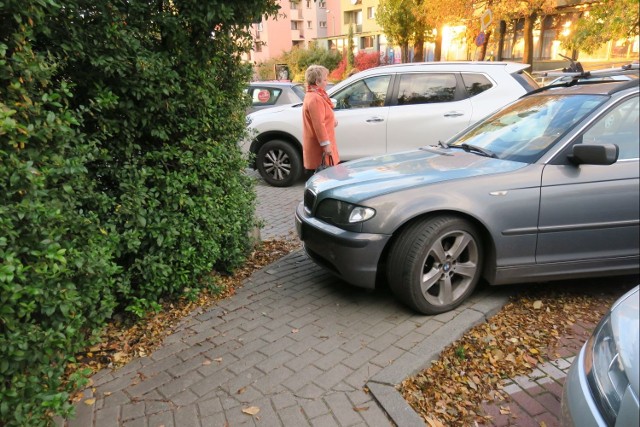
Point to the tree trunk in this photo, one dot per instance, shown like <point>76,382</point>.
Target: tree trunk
<point>404,49</point>
<point>527,55</point>
<point>503,30</point>
<point>418,49</point>
<point>437,53</point>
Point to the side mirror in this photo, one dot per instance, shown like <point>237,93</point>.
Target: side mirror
<point>586,154</point>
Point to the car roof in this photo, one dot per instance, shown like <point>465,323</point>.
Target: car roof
<point>415,66</point>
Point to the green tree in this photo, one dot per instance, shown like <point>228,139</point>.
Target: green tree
<point>399,23</point>
<point>351,58</point>
<point>605,21</point>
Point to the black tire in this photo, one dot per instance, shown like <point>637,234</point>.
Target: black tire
<point>427,272</point>
<point>279,163</point>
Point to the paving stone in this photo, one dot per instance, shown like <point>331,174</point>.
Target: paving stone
<point>187,416</point>
<point>333,376</point>
<point>293,416</point>
<point>108,417</point>
<point>283,400</point>
<point>315,408</point>
<point>162,419</point>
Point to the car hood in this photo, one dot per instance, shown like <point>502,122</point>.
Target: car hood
<point>373,176</point>
<point>626,330</point>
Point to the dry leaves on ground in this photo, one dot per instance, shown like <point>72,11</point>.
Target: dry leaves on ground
<point>523,334</point>
<point>122,340</point>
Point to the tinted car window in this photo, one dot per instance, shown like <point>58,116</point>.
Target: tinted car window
<point>525,80</point>
<point>476,83</point>
<point>618,126</point>
<point>264,95</point>
<point>426,88</point>
<point>299,90</point>
<point>365,93</point>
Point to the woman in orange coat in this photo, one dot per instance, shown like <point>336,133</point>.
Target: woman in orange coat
<point>318,121</point>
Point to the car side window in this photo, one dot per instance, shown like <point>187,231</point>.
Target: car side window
<point>366,93</point>
<point>476,83</point>
<point>426,88</point>
<point>618,126</point>
<point>264,95</point>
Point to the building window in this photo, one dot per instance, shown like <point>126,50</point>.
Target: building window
<point>259,27</point>
<point>294,25</point>
<point>293,5</point>
<point>257,47</point>
<point>308,4</point>
<point>309,25</point>
<point>371,13</point>
<point>322,24</point>
<point>322,5</point>
<point>366,42</point>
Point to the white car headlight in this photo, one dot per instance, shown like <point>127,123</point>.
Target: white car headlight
<point>341,213</point>
<point>605,372</point>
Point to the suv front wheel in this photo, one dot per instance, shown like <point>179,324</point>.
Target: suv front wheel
<point>279,163</point>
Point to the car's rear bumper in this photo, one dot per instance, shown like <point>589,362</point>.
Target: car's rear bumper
<point>351,256</point>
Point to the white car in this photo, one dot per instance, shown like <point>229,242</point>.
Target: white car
<point>388,109</point>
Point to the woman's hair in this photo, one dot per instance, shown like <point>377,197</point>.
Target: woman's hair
<point>315,73</point>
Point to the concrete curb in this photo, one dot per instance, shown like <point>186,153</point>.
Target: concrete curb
<point>383,384</point>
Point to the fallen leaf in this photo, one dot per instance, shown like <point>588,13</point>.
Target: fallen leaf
<point>504,410</point>
<point>360,408</point>
<point>218,359</point>
<point>295,331</point>
<point>537,305</point>
<point>206,362</point>
<point>241,390</point>
<point>251,410</point>
<point>90,401</point>
<point>434,423</point>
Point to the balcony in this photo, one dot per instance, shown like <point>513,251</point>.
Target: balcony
<point>297,35</point>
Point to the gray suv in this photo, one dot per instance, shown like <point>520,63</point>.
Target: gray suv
<point>546,188</point>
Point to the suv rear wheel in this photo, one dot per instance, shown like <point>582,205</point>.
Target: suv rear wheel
<point>279,163</point>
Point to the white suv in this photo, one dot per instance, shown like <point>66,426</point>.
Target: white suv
<point>387,109</point>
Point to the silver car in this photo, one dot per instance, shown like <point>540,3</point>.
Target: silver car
<point>547,188</point>
<point>272,94</point>
<point>603,383</point>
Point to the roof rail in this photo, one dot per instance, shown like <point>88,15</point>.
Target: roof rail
<point>576,71</point>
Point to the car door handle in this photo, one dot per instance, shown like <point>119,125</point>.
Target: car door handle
<point>454,114</point>
<point>375,120</point>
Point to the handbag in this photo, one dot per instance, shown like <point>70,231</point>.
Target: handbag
<point>326,162</point>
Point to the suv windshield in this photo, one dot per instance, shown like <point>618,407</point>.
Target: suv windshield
<point>524,131</point>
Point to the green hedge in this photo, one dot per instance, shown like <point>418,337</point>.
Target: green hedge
<point>121,178</point>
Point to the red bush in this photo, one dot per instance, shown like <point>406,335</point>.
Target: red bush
<point>366,60</point>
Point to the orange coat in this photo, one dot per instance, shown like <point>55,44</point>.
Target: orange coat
<point>318,124</point>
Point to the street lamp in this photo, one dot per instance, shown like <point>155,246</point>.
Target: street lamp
<point>333,17</point>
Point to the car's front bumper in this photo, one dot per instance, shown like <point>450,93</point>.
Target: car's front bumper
<point>351,256</point>
<point>578,407</point>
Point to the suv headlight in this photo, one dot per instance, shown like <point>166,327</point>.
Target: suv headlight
<point>341,213</point>
<point>605,373</point>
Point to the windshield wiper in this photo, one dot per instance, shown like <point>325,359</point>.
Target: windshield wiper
<point>443,144</point>
<point>474,148</point>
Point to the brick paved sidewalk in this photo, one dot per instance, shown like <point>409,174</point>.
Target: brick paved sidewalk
<point>534,399</point>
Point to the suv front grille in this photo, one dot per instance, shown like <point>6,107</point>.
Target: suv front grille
<point>309,201</point>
